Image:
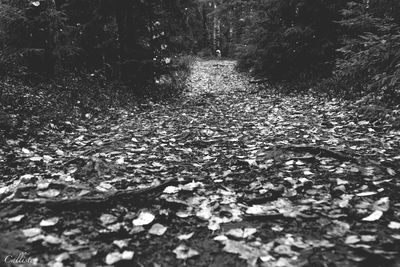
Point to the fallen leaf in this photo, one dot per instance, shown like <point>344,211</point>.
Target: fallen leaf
<point>352,239</point>
<point>338,229</point>
<point>245,251</point>
<point>368,238</point>
<point>144,218</point>
<point>366,194</point>
<point>382,204</point>
<point>394,225</point>
<point>391,171</point>
<point>204,213</point>
<point>171,190</point>
<point>49,222</point>
<point>185,237</point>
<point>51,193</point>
<point>183,252</point>
<point>285,250</point>
<point>115,257</point>
<point>31,232</point>
<point>17,218</point>
<point>121,243</point>
<point>52,239</point>
<point>158,229</point>
<point>341,182</point>
<point>241,233</point>
<point>183,214</point>
<point>108,219</point>
<point>104,187</point>
<point>397,237</point>
<point>376,215</point>
<point>120,161</point>
<point>191,186</point>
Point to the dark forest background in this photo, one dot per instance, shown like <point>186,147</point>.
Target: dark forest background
<point>83,56</point>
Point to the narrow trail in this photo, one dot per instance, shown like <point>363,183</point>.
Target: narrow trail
<point>256,180</point>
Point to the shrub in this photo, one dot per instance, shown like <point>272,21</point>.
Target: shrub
<point>292,39</point>
<point>370,62</point>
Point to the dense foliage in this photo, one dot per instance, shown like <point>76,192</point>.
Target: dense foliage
<point>128,40</point>
<point>292,38</point>
<point>344,48</point>
<point>371,54</point>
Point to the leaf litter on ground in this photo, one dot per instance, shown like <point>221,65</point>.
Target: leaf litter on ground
<point>228,148</point>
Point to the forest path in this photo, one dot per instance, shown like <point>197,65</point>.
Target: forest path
<point>257,180</point>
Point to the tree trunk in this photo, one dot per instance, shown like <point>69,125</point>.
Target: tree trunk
<point>215,27</point>
<point>122,7</point>
<point>205,30</point>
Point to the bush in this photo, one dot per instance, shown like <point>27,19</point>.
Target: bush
<point>370,62</point>
<point>293,39</point>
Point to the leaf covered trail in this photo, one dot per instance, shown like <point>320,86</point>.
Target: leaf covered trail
<point>258,180</point>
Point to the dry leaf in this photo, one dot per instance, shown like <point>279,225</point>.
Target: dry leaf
<point>183,252</point>
<point>121,243</point>
<point>171,190</point>
<point>115,257</point>
<point>108,219</point>
<point>376,215</point>
<point>31,232</point>
<point>186,237</point>
<point>17,218</point>
<point>49,222</point>
<point>394,225</point>
<point>144,218</point>
<point>49,193</point>
<point>158,229</point>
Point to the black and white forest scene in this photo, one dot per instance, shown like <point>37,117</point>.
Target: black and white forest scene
<point>200,133</point>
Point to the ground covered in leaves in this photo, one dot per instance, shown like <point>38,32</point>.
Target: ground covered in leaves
<point>227,176</point>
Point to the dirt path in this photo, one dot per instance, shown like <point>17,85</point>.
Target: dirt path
<point>253,180</point>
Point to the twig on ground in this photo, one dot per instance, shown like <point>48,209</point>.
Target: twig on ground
<point>324,152</point>
<point>82,202</point>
